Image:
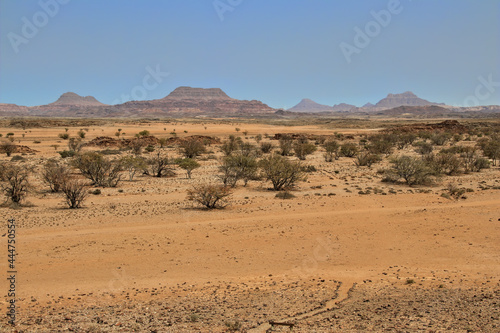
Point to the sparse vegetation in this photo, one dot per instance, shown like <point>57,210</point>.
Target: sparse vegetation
<point>100,170</point>
<point>302,149</point>
<point>282,173</point>
<point>192,148</point>
<point>8,148</point>
<point>15,181</point>
<point>75,192</point>
<point>132,164</point>
<point>266,147</point>
<point>209,195</point>
<point>286,145</point>
<point>349,149</point>
<point>332,150</point>
<point>237,167</point>
<point>367,159</point>
<point>75,144</point>
<point>189,165</point>
<point>55,174</point>
<point>413,170</point>
<point>158,165</point>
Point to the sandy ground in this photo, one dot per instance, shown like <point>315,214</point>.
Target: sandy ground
<point>139,257</point>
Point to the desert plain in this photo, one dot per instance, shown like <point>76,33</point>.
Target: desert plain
<point>347,253</point>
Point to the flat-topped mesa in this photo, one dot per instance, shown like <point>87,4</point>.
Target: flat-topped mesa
<point>196,101</point>
<point>188,93</point>
<point>72,99</point>
<point>406,98</point>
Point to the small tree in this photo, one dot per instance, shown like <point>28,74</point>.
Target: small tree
<point>238,166</point>
<point>136,146</point>
<point>55,174</point>
<point>132,164</point>
<point>286,146</point>
<point>191,148</point>
<point>162,142</point>
<point>423,148</point>
<point>380,147</point>
<point>15,181</point>
<point>101,171</point>
<point>491,149</point>
<point>189,165</point>
<point>8,148</point>
<point>158,165</point>
<point>75,144</point>
<point>75,192</point>
<point>468,156</point>
<point>266,147</point>
<point>209,195</point>
<point>332,150</point>
<point>413,170</point>
<point>439,139</point>
<point>367,159</point>
<point>302,149</point>
<point>443,162</point>
<point>231,145</point>
<point>349,149</point>
<point>282,173</point>
<point>405,139</point>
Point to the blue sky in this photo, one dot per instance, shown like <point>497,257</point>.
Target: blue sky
<point>275,51</point>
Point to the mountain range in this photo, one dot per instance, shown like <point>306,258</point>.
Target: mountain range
<point>181,101</point>
<point>391,101</point>
<point>188,101</point>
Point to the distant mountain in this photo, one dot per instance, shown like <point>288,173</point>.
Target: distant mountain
<point>343,107</point>
<point>422,111</point>
<point>197,101</point>
<point>181,101</point>
<point>406,98</point>
<point>391,101</point>
<point>188,101</point>
<point>7,110</point>
<point>67,105</point>
<point>199,94</point>
<point>308,105</point>
<point>72,99</point>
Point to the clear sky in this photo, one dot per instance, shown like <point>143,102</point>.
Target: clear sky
<point>277,51</point>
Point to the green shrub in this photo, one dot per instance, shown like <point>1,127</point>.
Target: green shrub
<point>282,173</point>
<point>67,153</point>
<point>349,149</point>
